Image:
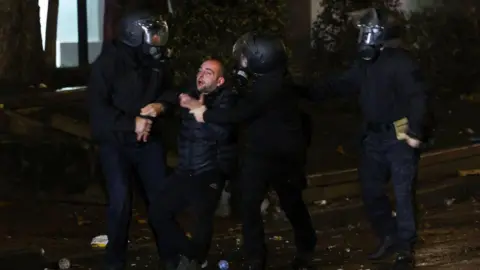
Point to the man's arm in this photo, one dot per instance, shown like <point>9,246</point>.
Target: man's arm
<point>412,84</point>
<point>169,96</point>
<point>222,131</point>
<point>103,114</point>
<point>345,84</point>
<point>246,108</point>
<point>168,100</point>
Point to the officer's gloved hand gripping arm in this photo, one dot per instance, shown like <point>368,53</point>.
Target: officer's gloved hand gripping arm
<point>346,84</point>
<point>412,84</point>
<point>103,114</point>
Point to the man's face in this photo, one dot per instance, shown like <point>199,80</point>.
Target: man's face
<point>209,76</point>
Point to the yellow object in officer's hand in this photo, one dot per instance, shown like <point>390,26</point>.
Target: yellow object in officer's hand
<point>401,128</point>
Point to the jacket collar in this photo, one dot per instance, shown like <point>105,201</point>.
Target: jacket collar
<point>209,96</point>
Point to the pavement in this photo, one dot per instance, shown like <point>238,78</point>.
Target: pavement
<point>36,231</point>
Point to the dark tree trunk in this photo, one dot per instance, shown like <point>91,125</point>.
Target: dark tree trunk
<point>113,12</point>
<point>51,35</point>
<point>21,53</point>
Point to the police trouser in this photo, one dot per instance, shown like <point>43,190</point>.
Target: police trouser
<point>200,193</point>
<point>120,164</point>
<point>384,157</point>
<point>283,175</point>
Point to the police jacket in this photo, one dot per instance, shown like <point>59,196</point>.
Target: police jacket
<point>122,81</point>
<point>207,146</point>
<point>389,88</point>
<point>271,114</point>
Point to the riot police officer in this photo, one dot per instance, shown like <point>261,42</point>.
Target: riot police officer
<point>393,101</point>
<point>275,145</point>
<point>130,74</point>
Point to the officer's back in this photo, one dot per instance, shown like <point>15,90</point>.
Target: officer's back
<point>270,107</point>
<point>277,128</point>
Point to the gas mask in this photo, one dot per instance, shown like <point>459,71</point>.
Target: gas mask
<point>156,52</point>
<point>371,36</point>
<point>240,73</point>
<point>240,78</point>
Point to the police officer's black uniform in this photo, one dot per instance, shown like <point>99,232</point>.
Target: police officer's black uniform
<point>275,147</point>
<point>129,74</point>
<point>390,88</point>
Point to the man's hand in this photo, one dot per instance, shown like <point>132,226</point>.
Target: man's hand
<point>414,143</point>
<point>143,137</point>
<point>190,103</point>
<point>198,114</point>
<point>152,110</point>
<point>142,128</point>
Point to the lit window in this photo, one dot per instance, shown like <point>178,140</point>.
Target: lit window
<point>67,30</point>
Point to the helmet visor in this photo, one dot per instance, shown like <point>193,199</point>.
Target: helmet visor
<point>155,32</point>
<point>369,35</point>
<point>240,48</point>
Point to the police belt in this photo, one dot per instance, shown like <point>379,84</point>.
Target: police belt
<point>376,127</point>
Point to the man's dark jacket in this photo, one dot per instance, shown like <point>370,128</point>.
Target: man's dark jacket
<point>206,146</point>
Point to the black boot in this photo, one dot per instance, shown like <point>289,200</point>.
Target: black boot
<point>385,249</point>
<point>404,261</point>
<point>303,261</point>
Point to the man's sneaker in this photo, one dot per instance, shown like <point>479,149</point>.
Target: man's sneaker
<point>188,264</point>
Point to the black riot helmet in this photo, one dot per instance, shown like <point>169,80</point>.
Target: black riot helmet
<point>375,28</point>
<point>260,53</point>
<point>141,28</point>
